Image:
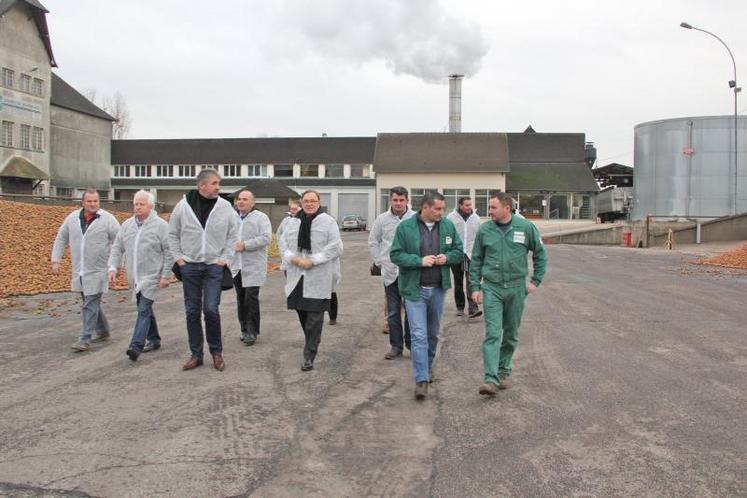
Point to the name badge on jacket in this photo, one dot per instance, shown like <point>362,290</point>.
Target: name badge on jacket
<point>448,240</point>
<point>519,237</point>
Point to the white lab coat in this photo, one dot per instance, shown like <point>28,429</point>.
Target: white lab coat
<point>326,246</point>
<point>380,242</point>
<point>189,241</point>
<point>255,231</point>
<point>89,252</point>
<point>467,230</point>
<point>147,254</point>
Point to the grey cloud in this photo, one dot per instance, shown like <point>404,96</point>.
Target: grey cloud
<point>415,37</point>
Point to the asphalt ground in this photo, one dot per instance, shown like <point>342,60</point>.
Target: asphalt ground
<point>629,380</point>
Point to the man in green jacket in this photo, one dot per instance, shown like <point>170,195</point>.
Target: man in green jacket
<point>423,248</point>
<point>498,276</point>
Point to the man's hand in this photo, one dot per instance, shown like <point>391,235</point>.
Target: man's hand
<point>240,246</point>
<point>181,262</point>
<point>477,297</point>
<point>55,268</point>
<point>531,287</point>
<point>429,261</point>
<point>163,283</point>
<point>112,277</point>
<point>304,263</point>
<point>441,259</point>
<point>220,262</point>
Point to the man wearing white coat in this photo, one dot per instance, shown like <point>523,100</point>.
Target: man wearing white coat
<point>202,238</point>
<point>144,239</point>
<point>309,245</point>
<point>249,266</point>
<point>467,224</point>
<point>90,233</point>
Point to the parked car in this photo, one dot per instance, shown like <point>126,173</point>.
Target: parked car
<point>353,222</point>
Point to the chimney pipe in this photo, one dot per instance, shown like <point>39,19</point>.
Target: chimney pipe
<point>455,103</point>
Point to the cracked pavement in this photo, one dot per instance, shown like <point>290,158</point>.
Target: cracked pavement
<point>629,379</point>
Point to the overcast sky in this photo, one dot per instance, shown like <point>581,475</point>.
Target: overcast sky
<point>357,67</point>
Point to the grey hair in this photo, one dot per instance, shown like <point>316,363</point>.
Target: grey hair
<point>144,193</point>
<point>203,175</point>
<point>89,190</point>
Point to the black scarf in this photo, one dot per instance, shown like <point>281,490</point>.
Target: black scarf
<point>304,233</point>
<point>465,216</point>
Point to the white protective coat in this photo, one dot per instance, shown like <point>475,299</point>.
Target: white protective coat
<point>380,242</point>
<point>89,252</point>
<point>467,230</point>
<point>147,254</point>
<point>189,241</point>
<point>326,246</point>
<point>255,231</point>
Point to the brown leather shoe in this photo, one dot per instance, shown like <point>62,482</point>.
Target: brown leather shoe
<point>193,363</point>
<point>488,389</point>
<point>505,381</point>
<point>218,362</point>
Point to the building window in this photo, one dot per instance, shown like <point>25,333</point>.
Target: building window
<point>384,194</point>
<point>284,170</point>
<point>187,170</point>
<point>37,139</point>
<point>8,77</point>
<point>25,142</point>
<point>142,170</point>
<point>256,170</point>
<point>334,171</point>
<point>165,170</point>
<point>64,191</point>
<point>310,170</point>
<point>103,195</point>
<point>482,196</point>
<point>38,87</point>
<point>416,196</point>
<point>25,83</point>
<point>122,170</point>
<point>452,195</point>
<point>231,170</point>
<point>7,133</point>
<point>359,170</point>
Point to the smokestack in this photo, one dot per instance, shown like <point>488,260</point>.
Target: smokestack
<point>455,103</point>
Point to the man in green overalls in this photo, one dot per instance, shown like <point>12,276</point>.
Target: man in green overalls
<point>498,278</point>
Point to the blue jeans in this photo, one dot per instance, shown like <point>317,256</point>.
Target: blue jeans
<point>145,324</point>
<point>424,317</point>
<point>202,288</point>
<point>394,318</point>
<point>93,318</point>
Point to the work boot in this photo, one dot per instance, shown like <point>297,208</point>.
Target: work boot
<point>104,336</point>
<point>488,389</point>
<point>81,346</point>
<point>421,390</point>
<point>505,381</point>
<point>307,365</point>
<point>133,353</point>
<point>392,354</point>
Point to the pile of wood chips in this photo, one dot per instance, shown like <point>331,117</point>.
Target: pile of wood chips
<point>27,233</point>
<point>736,258</point>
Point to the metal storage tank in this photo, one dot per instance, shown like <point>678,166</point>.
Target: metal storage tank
<point>684,167</point>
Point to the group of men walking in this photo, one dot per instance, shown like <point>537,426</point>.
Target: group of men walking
<point>212,246</point>
<point>415,251</point>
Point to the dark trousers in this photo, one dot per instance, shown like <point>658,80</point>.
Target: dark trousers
<point>202,288</point>
<point>311,323</point>
<point>397,339</point>
<point>461,274</point>
<point>333,307</point>
<point>247,304</point>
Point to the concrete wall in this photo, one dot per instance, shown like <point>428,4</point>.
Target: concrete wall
<point>722,229</point>
<point>608,236</point>
<point>21,50</point>
<point>80,150</point>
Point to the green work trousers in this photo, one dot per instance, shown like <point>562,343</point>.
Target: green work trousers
<point>503,308</point>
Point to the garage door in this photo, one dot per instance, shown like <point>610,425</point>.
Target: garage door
<point>352,204</point>
<point>326,201</point>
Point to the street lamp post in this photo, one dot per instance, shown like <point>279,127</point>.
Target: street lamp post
<point>733,86</point>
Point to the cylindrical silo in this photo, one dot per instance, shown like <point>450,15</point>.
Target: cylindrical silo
<point>684,167</point>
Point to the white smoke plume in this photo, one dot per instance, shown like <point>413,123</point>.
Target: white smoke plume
<point>415,37</point>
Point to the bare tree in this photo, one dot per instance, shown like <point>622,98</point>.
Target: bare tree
<point>116,107</point>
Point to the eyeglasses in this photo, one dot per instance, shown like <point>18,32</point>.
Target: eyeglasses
<point>310,201</point>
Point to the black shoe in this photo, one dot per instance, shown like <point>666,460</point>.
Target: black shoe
<point>475,313</point>
<point>307,365</point>
<point>151,346</point>
<point>460,312</point>
<point>332,321</point>
<point>249,339</point>
<point>421,390</point>
<point>133,354</point>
